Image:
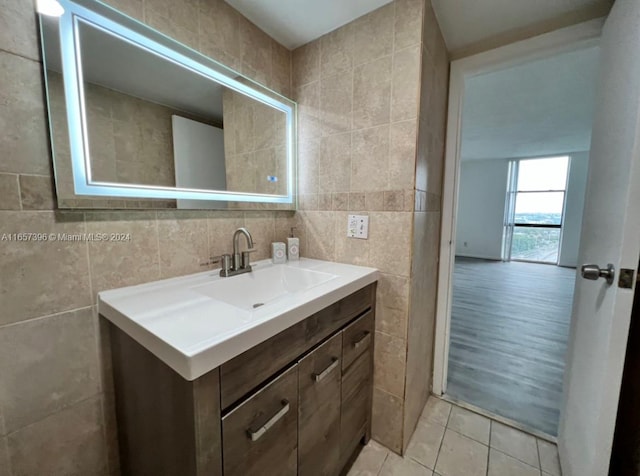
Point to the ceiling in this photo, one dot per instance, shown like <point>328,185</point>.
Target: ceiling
<point>465,22</point>
<point>293,23</point>
<point>539,108</point>
<point>113,63</point>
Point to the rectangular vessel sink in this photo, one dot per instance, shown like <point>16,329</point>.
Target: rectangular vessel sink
<point>197,322</point>
<point>262,286</point>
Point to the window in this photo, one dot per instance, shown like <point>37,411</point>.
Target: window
<point>535,212</point>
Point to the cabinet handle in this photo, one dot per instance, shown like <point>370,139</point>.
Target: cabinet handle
<point>334,363</point>
<point>256,435</point>
<point>363,340</point>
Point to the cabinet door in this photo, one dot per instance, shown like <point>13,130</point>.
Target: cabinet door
<point>357,338</point>
<point>260,436</point>
<point>357,384</point>
<point>319,375</point>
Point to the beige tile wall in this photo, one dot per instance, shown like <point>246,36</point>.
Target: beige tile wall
<point>255,146</point>
<point>426,222</point>
<point>371,142</point>
<point>121,147</point>
<point>56,410</point>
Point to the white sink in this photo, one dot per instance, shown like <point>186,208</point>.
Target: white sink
<point>198,322</point>
<point>263,286</point>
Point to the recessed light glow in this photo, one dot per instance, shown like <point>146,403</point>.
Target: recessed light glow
<point>51,8</point>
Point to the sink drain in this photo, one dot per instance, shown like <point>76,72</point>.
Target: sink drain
<point>258,304</point>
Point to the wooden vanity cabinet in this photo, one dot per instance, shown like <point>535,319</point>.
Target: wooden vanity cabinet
<point>166,425</point>
<point>357,384</point>
<point>296,404</point>
<point>319,393</point>
<point>261,434</point>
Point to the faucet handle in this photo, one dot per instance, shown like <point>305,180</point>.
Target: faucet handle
<point>224,259</point>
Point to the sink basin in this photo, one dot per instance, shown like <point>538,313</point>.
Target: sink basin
<point>263,286</point>
<point>197,322</point>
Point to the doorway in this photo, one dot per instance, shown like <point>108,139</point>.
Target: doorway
<point>515,227</point>
<point>510,315</point>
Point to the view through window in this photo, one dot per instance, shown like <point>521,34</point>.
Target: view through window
<point>537,213</point>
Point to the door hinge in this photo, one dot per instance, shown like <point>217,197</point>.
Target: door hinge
<point>626,278</point>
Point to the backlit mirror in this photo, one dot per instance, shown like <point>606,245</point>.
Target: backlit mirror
<point>139,120</point>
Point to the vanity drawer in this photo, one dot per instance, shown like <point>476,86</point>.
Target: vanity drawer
<point>356,404</point>
<point>319,383</point>
<point>357,338</point>
<point>262,433</point>
<point>247,371</point>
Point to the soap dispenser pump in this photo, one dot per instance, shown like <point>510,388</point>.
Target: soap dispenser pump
<point>293,246</point>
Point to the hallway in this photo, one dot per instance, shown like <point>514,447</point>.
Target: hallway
<point>509,333</point>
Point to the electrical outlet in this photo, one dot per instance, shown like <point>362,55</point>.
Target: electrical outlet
<point>358,226</point>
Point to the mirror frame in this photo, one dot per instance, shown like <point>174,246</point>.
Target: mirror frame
<point>173,51</point>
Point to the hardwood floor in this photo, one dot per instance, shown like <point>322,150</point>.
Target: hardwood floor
<point>509,333</point>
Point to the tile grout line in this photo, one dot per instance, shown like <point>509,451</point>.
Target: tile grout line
<point>539,459</point>
<point>435,464</point>
<point>95,316</point>
<point>20,193</point>
<point>517,459</point>
<point>391,90</point>
<point>489,445</point>
<point>157,230</point>
<point>386,456</point>
<point>54,413</point>
<point>37,318</point>
<point>21,55</point>
<point>495,417</point>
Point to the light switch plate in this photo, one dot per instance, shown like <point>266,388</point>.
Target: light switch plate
<point>358,226</point>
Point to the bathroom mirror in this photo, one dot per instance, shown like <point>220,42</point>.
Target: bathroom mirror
<point>139,120</point>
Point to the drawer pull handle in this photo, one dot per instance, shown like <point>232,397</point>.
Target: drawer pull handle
<point>334,363</point>
<point>256,435</point>
<point>363,340</point>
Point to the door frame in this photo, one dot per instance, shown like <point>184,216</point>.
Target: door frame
<point>576,37</point>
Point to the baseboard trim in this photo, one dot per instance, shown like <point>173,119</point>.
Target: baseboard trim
<point>487,258</point>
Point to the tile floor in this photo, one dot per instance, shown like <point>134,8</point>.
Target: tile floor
<point>452,441</point>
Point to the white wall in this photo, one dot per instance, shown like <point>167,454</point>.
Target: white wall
<point>481,204</point>
<point>480,217</point>
<point>574,205</point>
<point>198,154</point>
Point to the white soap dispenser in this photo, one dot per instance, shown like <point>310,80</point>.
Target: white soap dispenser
<point>293,247</point>
<point>278,253</point>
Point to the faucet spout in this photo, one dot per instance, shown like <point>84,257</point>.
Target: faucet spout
<point>241,262</point>
<point>236,239</point>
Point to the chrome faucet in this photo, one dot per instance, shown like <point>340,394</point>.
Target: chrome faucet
<point>241,261</point>
<point>238,263</point>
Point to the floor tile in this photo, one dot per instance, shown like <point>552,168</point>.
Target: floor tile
<point>549,460</point>
<point>501,464</point>
<point>437,410</point>
<point>470,424</point>
<point>398,466</point>
<point>370,460</point>
<point>515,443</point>
<point>425,443</point>
<point>461,456</point>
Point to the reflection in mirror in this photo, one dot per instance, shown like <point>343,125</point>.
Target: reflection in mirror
<point>154,127</point>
